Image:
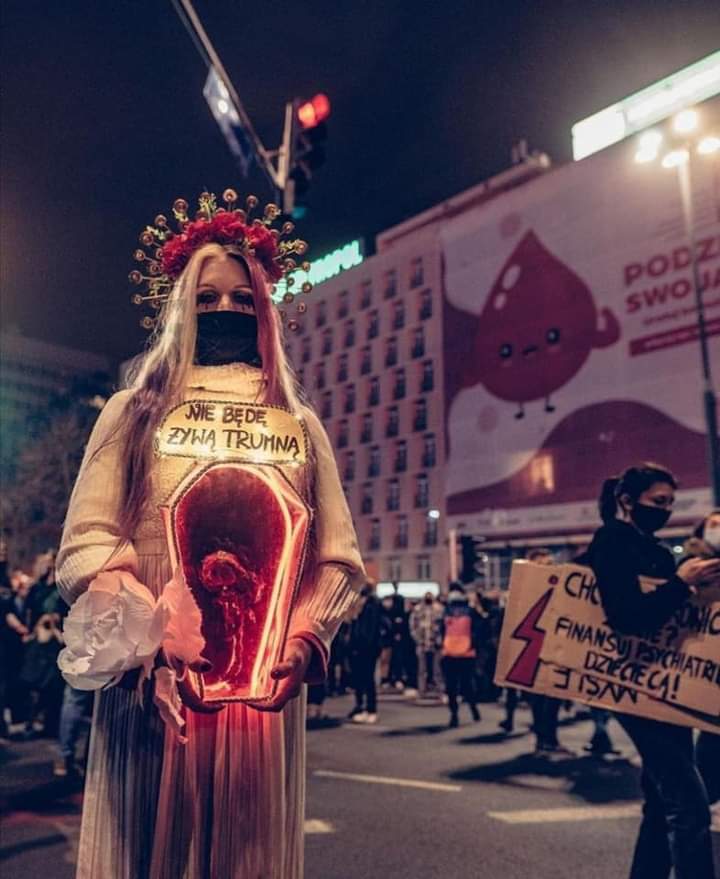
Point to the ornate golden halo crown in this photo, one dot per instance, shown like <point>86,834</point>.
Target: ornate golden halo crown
<point>164,253</point>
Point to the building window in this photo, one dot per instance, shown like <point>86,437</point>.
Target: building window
<point>366,504</point>
<point>429,454</point>
<point>373,325</point>
<point>373,461</point>
<point>394,569</point>
<point>398,315</point>
<point>374,391</point>
<point>391,352</point>
<point>426,308</point>
<point>375,535</point>
<point>343,305</point>
<point>349,468</point>
<point>430,534</point>
<point>365,294</point>
<point>321,314</point>
<point>366,360</point>
<point>349,405</point>
<point>424,569</point>
<point>327,341</point>
<point>366,429</point>
<point>326,409</point>
<point>392,424</point>
<point>417,275</point>
<point>418,345</point>
<point>400,456</point>
<point>420,417</point>
<point>390,284</point>
<point>427,377</point>
<point>342,434</point>
<point>400,386</point>
<point>349,333</point>
<point>392,498</point>
<point>342,368</point>
<point>306,349</point>
<point>421,491</point>
<point>320,376</point>
<point>401,532</point>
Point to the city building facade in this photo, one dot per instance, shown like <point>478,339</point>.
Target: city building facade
<point>33,374</point>
<point>369,352</point>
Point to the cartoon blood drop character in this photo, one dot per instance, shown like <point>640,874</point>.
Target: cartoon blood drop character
<point>538,327</point>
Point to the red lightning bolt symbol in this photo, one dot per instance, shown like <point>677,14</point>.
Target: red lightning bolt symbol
<point>525,667</point>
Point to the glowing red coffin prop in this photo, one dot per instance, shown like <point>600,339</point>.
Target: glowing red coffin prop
<point>239,532</point>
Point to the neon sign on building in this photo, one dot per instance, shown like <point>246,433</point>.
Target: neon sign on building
<point>325,267</point>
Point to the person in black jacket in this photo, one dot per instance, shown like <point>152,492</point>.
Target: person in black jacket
<point>460,633</point>
<point>364,648</point>
<point>675,831</point>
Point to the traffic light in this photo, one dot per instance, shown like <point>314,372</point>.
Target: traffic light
<point>307,151</point>
<point>473,559</point>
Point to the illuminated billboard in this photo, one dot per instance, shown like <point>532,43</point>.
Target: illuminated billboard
<point>692,84</point>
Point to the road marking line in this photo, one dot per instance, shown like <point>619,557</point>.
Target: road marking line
<point>577,813</point>
<point>381,779</point>
<point>317,825</point>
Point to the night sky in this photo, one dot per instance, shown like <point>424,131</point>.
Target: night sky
<point>104,122</point>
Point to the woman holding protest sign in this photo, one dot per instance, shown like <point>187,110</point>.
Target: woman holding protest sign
<point>705,544</point>
<point>675,831</point>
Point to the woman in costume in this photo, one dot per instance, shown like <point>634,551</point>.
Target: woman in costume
<point>675,831</point>
<point>181,546</point>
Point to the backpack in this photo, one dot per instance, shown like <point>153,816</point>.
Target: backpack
<point>457,641</point>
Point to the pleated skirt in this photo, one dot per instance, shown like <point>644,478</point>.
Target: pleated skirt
<point>227,805</point>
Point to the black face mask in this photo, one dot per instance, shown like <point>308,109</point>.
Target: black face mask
<point>649,519</point>
<point>226,337</point>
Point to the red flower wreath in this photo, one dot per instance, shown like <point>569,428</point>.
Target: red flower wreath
<point>224,228</point>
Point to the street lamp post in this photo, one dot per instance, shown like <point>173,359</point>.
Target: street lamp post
<point>684,170</point>
<point>681,159</point>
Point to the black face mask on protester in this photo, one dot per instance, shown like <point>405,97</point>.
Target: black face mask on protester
<point>649,519</point>
<point>226,337</point>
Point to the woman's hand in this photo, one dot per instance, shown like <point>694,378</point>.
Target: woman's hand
<point>186,691</point>
<point>700,572</point>
<point>290,673</point>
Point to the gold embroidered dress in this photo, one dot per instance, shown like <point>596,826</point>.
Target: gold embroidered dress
<point>230,803</point>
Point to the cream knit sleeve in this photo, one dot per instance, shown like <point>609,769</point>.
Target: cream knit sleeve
<point>91,539</point>
<point>326,597</point>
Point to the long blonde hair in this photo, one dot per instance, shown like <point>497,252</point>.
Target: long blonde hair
<point>160,379</point>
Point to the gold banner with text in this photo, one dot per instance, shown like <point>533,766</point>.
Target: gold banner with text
<point>222,430</point>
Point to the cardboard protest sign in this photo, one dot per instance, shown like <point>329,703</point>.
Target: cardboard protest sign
<point>556,641</point>
<point>232,431</point>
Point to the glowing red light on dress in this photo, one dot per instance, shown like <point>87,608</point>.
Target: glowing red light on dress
<point>238,532</point>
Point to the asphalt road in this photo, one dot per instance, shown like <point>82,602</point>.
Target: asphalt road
<point>405,798</point>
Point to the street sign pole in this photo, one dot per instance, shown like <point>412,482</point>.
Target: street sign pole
<point>192,22</point>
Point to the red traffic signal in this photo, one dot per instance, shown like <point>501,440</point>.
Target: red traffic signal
<point>312,113</point>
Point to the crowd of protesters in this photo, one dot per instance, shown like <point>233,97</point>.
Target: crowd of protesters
<point>34,699</point>
<point>445,647</point>
<point>439,648</point>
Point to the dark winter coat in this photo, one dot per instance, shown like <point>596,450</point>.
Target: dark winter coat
<point>619,555</point>
<point>365,629</point>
